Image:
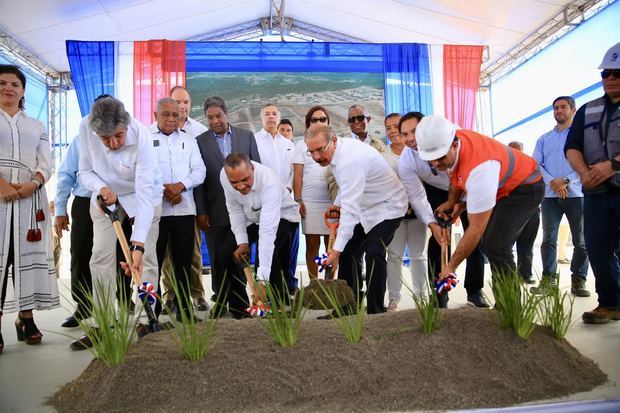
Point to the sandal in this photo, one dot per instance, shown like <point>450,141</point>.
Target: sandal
<point>27,330</point>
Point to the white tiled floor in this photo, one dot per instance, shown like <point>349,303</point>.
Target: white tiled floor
<point>31,374</point>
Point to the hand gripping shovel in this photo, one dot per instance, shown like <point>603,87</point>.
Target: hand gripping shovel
<point>258,308</point>
<point>449,281</point>
<point>332,220</point>
<point>147,292</point>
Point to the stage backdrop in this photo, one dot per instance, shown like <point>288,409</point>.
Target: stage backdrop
<point>408,81</point>
<point>293,94</point>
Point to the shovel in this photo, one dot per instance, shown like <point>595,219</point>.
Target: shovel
<point>450,280</point>
<point>147,287</point>
<point>258,308</point>
<point>332,220</point>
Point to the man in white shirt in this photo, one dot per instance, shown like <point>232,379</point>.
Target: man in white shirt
<point>420,179</point>
<point>276,152</point>
<point>260,209</point>
<point>117,162</point>
<point>371,202</point>
<point>193,128</point>
<point>358,119</point>
<point>182,169</point>
<point>504,188</point>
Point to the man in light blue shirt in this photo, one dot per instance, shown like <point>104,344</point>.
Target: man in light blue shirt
<point>563,196</point>
<point>81,231</point>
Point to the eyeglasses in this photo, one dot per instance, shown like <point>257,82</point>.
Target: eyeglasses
<point>322,119</point>
<point>359,118</point>
<point>608,72</point>
<point>310,152</point>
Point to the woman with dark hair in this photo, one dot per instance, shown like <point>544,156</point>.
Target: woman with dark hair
<point>310,190</point>
<point>25,239</point>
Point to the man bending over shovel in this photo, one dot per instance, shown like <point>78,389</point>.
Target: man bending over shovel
<point>261,209</point>
<point>371,202</point>
<point>118,163</point>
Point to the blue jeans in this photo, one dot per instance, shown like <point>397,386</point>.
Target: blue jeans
<point>602,233</point>
<point>552,211</point>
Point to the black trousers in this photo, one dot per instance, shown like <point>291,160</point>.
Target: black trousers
<point>281,254</point>
<point>374,245</point>
<point>474,270</point>
<point>81,236</point>
<point>10,261</point>
<point>509,218</point>
<point>229,284</point>
<point>179,230</point>
<point>525,245</point>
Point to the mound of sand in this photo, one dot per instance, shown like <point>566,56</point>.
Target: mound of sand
<point>470,362</point>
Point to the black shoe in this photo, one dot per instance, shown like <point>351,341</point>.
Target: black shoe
<point>477,300</point>
<point>70,322</point>
<point>528,279</point>
<point>201,304</point>
<point>83,343</point>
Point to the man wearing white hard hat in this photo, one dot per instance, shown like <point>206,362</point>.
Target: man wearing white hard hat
<point>593,151</point>
<point>504,188</point>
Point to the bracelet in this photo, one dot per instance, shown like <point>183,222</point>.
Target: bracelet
<point>298,200</point>
<point>134,247</point>
<point>37,183</point>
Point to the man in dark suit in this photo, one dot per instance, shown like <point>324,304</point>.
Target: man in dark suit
<point>212,216</point>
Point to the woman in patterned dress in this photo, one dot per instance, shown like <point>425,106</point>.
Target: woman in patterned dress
<point>25,242</point>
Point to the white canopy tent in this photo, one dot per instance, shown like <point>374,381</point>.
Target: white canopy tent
<point>34,31</point>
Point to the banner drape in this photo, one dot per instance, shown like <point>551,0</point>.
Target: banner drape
<point>158,65</point>
<point>407,78</point>
<point>92,70</point>
<point>461,76</point>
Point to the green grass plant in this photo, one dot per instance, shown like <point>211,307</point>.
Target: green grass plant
<point>116,327</point>
<point>427,304</point>
<point>517,308</point>
<point>194,338</point>
<point>350,319</point>
<point>283,325</point>
<point>554,313</point>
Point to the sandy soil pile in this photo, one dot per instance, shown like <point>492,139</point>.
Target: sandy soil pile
<point>470,362</point>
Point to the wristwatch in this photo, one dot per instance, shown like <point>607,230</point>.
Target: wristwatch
<point>566,180</point>
<point>37,183</point>
<point>615,164</point>
<point>298,200</point>
<point>134,247</point>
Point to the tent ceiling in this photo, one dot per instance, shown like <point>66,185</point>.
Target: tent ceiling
<point>42,26</point>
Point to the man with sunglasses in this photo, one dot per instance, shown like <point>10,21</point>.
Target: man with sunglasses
<point>593,151</point>
<point>504,188</point>
<point>358,120</point>
<point>371,203</point>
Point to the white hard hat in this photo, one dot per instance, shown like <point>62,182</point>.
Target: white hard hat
<point>611,60</point>
<point>434,135</point>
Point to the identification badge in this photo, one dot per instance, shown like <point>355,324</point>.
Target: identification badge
<point>155,142</point>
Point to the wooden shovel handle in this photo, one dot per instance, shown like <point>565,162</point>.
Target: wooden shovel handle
<point>257,298</point>
<point>125,247</point>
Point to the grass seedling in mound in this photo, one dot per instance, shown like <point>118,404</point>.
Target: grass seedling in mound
<point>116,325</point>
<point>554,314</point>
<point>349,318</point>
<point>516,307</point>
<point>427,304</point>
<point>282,325</point>
<point>193,338</point>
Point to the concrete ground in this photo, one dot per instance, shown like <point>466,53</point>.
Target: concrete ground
<point>29,375</point>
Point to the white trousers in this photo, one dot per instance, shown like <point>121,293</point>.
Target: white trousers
<point>103,260</point>
<point>411,233</point>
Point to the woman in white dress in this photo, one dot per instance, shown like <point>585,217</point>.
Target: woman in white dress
<point>310,191</point>
<point>411,233</point>
<point>25,239</point>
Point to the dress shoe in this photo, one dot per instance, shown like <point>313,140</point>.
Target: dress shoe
<point>477,300</point>
<point>70,322</point>
<point>84,342</point>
